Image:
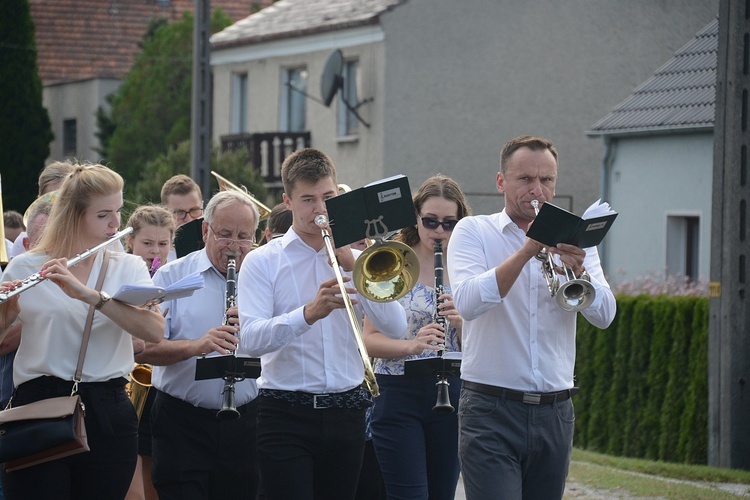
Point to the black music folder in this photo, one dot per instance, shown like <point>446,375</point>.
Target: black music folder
<point>189,237</point>
<point>555,225</point>
<point>375,209</point>
<point>447,365</point>
<point>212,367</point>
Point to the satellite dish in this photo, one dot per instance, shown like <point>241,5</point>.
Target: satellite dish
<point>331,80</point>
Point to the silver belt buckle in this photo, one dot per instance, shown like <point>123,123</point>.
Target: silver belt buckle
<point>322,405</point>
<point>532,399</point>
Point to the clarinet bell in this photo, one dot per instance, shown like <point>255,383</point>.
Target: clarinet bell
<point>228,405</point>
<point>443,404</point>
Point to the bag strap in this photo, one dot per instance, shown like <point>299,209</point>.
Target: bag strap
<point>87,329</point>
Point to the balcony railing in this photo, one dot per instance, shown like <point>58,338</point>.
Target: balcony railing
<point>267,151</point>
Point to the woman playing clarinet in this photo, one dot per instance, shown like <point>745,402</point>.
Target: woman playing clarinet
<point>417,447</point>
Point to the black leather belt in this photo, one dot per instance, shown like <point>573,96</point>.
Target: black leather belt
<point>531,398</point>
<point>356,398</point>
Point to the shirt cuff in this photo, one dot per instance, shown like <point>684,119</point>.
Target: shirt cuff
<point>488,290</point>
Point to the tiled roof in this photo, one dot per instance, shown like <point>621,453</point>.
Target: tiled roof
<point>83,39</point>
<point>680,95</point>
<point>291,18</point>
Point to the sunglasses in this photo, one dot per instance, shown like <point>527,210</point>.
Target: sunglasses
<point>432,223</point>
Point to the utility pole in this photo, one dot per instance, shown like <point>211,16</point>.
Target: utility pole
<point>200,122</point>
<point>729,315</point>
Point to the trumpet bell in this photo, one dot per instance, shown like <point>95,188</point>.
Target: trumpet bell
<point>140,384</point>
<point>386,271</point>
<point>575,295</point>
<point>225,185</point>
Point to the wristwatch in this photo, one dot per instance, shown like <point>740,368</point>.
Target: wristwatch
<point>584,276</point>
<point>103,299</point>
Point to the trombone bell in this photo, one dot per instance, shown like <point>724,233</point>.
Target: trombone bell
<point>386,271</point>
<point>225,185</point>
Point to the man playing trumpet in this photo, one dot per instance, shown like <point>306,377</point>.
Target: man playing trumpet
<point>515,412</point>
<point>196,455</point>
<point>311,412</point>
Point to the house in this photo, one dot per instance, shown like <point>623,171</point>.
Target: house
<point>658,168</point>
<point>85,48</point>
<point>441,85</point>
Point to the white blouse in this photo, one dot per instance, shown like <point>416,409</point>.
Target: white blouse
<point>53,323</point>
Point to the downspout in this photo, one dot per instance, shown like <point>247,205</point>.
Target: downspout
<point>610,148</point>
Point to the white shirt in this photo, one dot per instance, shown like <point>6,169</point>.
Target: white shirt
<point>277,280</point>
<point>53,323</point>
<point>522,341</point>
<point>189,318</point>
<point>17,248</point>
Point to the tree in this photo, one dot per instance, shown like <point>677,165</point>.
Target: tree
<point>151,110</point>
<point>25,128</point>
<point>235,166</point>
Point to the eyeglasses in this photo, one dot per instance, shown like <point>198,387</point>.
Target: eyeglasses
<point>228,242</point>
<point>433,223</point>
<point>194,213</point>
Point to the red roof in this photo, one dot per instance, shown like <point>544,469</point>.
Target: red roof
<point>84,39</point>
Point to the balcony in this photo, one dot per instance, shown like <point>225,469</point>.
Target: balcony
<point>267,151</point>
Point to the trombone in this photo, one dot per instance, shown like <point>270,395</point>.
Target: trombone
<point>372,384</point>
<point>3,251</point>
<point>225,185</point>
<point>575,294</point>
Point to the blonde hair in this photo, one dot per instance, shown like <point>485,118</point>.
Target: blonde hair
<point>149,215</point>
<point>53,175</point>
<point>61,234</point>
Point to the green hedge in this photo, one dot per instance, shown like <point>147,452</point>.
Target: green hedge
<point>644,380</point>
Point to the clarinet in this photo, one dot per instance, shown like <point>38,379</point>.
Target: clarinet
<point>229,405</point>
<point>443,404</point>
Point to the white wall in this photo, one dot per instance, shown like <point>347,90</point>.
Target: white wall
<point>651,178</point>
<point>358,161</point>
<point>79,101</point>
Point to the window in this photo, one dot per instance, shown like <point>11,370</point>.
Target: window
<point>69,139</point>
<point>683,246</point>
<point>238,105</point>
<point>292,109</point>
<point>347,120</point>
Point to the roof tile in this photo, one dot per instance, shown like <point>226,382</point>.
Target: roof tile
<point>680,95</point>
<point>83,39</point>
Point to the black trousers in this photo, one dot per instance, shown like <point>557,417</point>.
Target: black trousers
<point>198,456</point>
<point>308,454</point>
<point>102,473</point>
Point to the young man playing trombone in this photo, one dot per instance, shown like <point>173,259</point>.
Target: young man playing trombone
<point>311,411</point>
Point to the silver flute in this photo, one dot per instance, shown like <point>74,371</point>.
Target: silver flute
<point>37,278</point>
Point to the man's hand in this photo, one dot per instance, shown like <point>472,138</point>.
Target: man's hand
<point>326,300</point>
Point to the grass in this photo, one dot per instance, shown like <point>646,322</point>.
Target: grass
<point>643,478</point>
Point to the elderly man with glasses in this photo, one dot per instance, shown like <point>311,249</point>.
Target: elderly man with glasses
<point>196,455</point>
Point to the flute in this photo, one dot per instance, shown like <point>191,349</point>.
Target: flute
<point>37,278</point>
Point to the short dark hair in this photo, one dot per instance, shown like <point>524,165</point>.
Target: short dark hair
<point>525,141</point>
<point>307,165</point>
<point>13,220</point>
<point>280,219</point>
<point>179,184</point>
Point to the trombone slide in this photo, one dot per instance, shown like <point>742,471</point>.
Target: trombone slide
<point>372,384</point>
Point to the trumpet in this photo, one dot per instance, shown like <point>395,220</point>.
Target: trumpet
<point>575,294</point>
<point>372,384</point>
<point>443,404</point>
<point>37,278</point>
<point>228,409</point>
